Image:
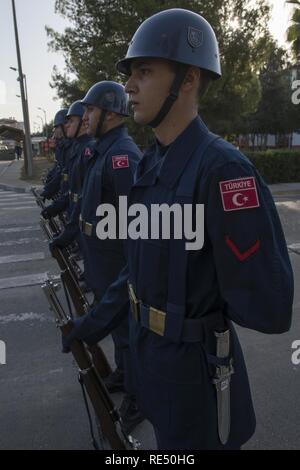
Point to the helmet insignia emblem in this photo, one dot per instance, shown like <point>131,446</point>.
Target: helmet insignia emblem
<point>109,96</point>
<point>195,37</point>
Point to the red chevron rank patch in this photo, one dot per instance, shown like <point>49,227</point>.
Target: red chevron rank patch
<point>88,152</point>
<point>242,256</point>
<point>120,161</point>
<point>238,194</point>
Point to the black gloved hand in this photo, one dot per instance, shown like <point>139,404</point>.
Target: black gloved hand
<point>68,339</point>
<point>53,244</point>
<point>45,213</point>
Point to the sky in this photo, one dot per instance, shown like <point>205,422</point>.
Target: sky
<point>38,62</point>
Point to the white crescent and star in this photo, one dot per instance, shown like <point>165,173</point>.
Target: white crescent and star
<point>120,163</point>
<point>235,200</point>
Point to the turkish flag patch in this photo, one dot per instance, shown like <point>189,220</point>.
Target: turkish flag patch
<point>88,152</point>
<point>120,161</point>
<point>240,193</point>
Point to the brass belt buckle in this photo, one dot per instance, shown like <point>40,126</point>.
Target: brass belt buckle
<point>134,303</point>
<point>157,321</point>
<point>81,223</point>
<point>88,229</point>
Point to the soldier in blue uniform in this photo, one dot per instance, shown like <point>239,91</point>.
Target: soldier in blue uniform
<point>190,374</point>
<point>75,171</point>
<point>62,147</point>
<point>109,175</point>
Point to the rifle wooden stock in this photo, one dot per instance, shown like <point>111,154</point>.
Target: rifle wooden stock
<point>102,403</point>
<point>80,303</point>
<point>81,307</point>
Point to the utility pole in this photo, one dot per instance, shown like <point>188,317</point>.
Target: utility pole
<point>28,145</point>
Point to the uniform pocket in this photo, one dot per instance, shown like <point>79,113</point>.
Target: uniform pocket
<point>151,281</point>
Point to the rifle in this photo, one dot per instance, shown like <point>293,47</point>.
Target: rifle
<point>52,223</point>
<point>55,230</point>
<point>103,405</point>
<point>79,300</point>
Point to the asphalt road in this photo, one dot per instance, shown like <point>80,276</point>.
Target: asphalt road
<point>40,399</point>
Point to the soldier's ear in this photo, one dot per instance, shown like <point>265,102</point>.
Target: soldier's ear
<point>191,81</point>
<point>109,116</point>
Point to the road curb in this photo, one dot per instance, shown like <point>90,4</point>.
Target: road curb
<point>5,169</point>
<point>17,189</point>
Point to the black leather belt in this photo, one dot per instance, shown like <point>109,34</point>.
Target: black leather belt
<point>155,320</point>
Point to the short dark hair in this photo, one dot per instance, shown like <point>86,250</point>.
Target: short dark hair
<point>205,80</point>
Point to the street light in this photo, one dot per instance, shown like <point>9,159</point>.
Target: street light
<point>36,127</point>
<point>41,109</point>
<point>28,144</point>
<point>40,117</point>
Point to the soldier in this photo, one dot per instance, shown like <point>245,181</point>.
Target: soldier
<point>109,175</point>
<point>191,378</point>
<point>62,147</point>
<point>75,171</point>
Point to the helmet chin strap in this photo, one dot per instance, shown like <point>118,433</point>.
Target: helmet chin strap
<point>78,128</point>
<point>100,123</point>
<point>63,130</point>
<point>172,97</point>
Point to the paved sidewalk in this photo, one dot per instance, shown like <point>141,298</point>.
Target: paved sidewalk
<point>10,173</point>
<point>10,180</point>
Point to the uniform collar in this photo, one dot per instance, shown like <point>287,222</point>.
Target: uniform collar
<point>170,167</point>
<point>67,142</point>
<point>83,138</point>
<point>109,138</point>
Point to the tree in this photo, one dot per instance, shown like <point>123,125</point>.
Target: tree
<point>101,30</point>
<point>293,32</point>
<point>275,113</point>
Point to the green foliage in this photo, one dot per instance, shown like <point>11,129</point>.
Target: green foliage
<point>100,31</point>
<point>293,32</point>
<point>277,166</point>
<point>275,113</point>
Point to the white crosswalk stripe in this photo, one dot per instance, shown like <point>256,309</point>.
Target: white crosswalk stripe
<point>14,201</point>
<point>9,204</point>
<point>20,258</point>
<point>28,228</point>
<point>13,197</point>
<point>24,281</point>
<point>21,241</point>
<point>294,248</point>
<point>16,208</point>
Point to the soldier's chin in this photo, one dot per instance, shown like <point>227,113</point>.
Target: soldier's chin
<point>90,131</point>
<point>139,118</point>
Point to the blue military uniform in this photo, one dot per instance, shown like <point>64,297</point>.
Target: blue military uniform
<point>104,183</point>
<point>53,184</point>
<point>81,152</point>
<point>71,179</point>
<point>186,354</point>
<point>242,274</point>
<point>243,271</point>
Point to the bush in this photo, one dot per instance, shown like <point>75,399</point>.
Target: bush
<point>40,166</point>
<point>276,166</point>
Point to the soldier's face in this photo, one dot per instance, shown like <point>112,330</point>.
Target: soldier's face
<point>71,126</point>
<point>91,119</point>
<point>148,86</point>
<point>57,133</point>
